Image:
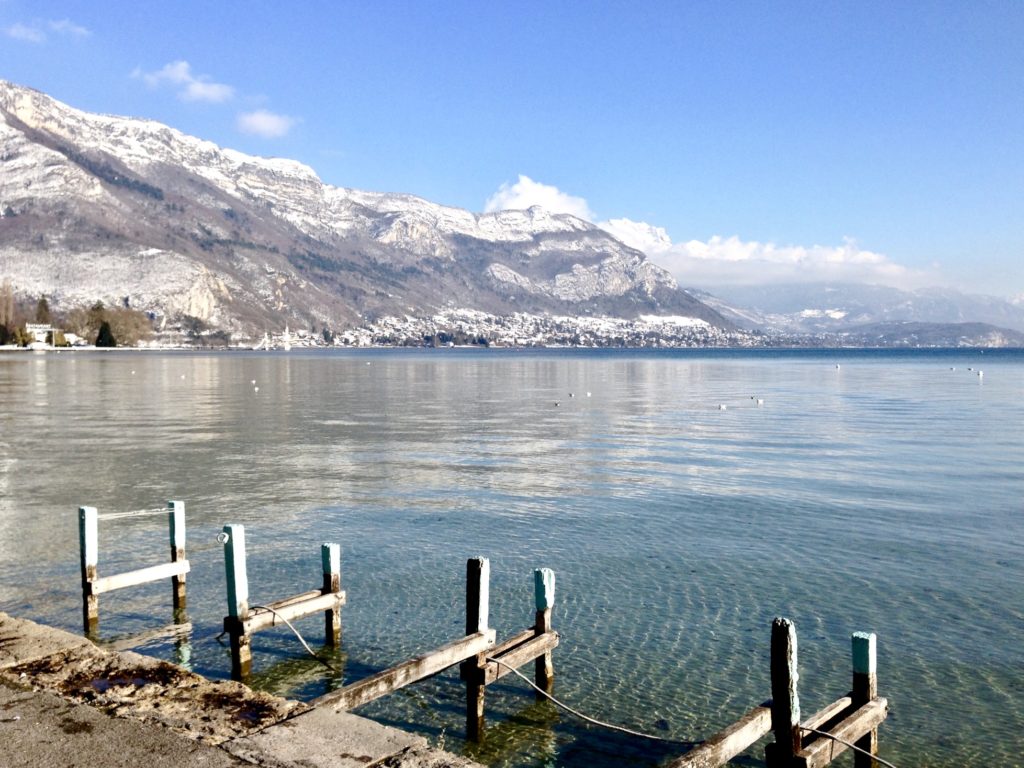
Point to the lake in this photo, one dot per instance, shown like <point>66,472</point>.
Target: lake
<point>871,490</point>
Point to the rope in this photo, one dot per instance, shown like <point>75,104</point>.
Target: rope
<point>580,715</point>
<point>133,513</point>
<point>293,629</point>
<point>847,744</point>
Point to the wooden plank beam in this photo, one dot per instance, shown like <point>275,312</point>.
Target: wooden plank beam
<point>284,602</point>
<point>729,742</point>
<point>140,576</point>
<point>842,706</point>
<point>313,602</point>
<point>535,647</point>
<point>401,675</point>
<point>823,750</point>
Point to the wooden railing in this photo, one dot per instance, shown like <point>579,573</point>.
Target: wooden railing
<point>93,585</point>
<point>815,741</point>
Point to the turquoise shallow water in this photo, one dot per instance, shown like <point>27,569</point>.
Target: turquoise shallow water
<point>884,494</point>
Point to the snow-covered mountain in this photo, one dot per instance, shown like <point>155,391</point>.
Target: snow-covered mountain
<point>95,207</point>
<point>836,307</point>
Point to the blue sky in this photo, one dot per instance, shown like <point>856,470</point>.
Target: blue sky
<point>734,141</point>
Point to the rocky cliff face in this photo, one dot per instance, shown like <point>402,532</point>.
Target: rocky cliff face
<point>127,210</point>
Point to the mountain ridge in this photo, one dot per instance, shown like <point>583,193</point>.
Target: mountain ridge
<point>130,210</point>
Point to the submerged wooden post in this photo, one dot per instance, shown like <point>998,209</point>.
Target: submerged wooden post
<point>544,598</point>
<point>176,525</point>
<point>785,698</point>
<point>238,601</point>
<point>330,558</point>
<point>865,688</point>
<point>478,573</point>
<point>88,539</point>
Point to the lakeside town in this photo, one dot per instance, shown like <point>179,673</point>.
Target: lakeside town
<point>38,327</point>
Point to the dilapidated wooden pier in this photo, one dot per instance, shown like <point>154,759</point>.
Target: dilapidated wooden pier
<point>849,722</point>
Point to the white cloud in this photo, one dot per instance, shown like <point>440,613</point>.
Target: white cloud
<point>526,192</point>
<point>36,32</point>
<point>68,28</point>
<point>266,124</point>
<point>190,87</point>
<point>722,260</point>
<point>202,90</point>
<point>25,33</point>
<point>731,261</point>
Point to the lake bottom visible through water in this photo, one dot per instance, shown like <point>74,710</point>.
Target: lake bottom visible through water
<point>869,491</point>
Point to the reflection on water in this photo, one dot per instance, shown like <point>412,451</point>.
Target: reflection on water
<point>882,495</point>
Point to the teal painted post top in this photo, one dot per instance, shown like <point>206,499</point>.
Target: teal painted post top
<point>544,588</point>
<point>234,570</point>
<point>865,654</point>
<point>176,510</point>
<point>88,536</point>
<point>330,558</point>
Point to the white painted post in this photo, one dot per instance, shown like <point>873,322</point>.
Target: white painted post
<point>478,577</point>
<point>238,601</point>
<point>544,598</point>
<point>88,540</point>
<point>785,698</point>
<point>865,688</point>
<point>176,526</point>
<point>330,559</point>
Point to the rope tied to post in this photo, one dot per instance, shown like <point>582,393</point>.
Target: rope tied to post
<point>296,633</point>
<point>586,718</point>
<point>848,745</point>
<point>133,513</point>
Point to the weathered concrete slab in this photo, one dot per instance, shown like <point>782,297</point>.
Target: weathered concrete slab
<point>131,685</point>
<point>64,701</point>
<point>24,641</point>
<point>39,729</point>
<point>323,738</point>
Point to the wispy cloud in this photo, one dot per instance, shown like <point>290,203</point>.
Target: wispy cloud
<point>267,124</point>
<point>526,193</point>
<point>190,87</point>
<point>36,32</point>
<point>732,261</point>
<point>68,28</point>
<point>25,33</point>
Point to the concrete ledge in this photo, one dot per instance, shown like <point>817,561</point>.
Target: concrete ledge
<point>25,641</point>
<point>323,738</point>
<point>123,709</point>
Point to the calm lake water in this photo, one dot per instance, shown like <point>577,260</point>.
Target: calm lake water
<point>874,491</point>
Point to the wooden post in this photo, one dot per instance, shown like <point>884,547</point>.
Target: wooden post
<point>478,573</point>
<point>238,601</point>
<point>88,540</point>
<point>330,558</point>
<point>785,699</point>
<point>544,597</point>
<point>865,688</point>
<point>176,525</point>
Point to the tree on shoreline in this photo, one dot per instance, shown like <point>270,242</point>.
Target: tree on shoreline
<point>105,337</point>
<point>6,313</point>
<point>43,311</point>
